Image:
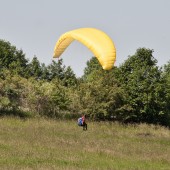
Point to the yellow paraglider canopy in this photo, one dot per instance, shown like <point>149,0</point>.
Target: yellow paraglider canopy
<point>97,41</point>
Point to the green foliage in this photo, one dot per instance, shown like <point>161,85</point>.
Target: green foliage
<point>99,95</point>
<point>11,58</point>
<point>34,68</point>
<point>46,98</point>
<point>41,97</point>
<point>56,70</point>
<point>92,65</point>
<point>142,81</point>
<point>69,78</point>
<point>166,76</point>
<point>136,91</point>
<point>9,94</point>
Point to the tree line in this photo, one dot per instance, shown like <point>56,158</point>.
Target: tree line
<point>136,91</point>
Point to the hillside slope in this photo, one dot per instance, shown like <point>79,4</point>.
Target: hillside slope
<point>49,144</point>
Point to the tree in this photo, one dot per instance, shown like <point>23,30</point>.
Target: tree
<point>92,65</point>
<point>11,92</point>
<point>166,76</point>
<point>56,70</point>
<point>45,75</point>
<point>34,68</point>
<point>141,79</point>
<point>48,98</point>
<point>98,92</point>
<point>69,77</point>
<point>59,71</point>
<point>12,58</point>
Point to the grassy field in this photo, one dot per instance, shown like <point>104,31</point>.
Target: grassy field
<point>48,144</point>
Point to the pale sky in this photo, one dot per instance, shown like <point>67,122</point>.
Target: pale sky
<point>35,26</point>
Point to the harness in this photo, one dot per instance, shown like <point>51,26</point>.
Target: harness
<point>80,122</point>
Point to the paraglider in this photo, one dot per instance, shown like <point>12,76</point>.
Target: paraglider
<point>97,41</point>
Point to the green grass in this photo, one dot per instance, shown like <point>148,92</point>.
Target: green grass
<point>48,144</point>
